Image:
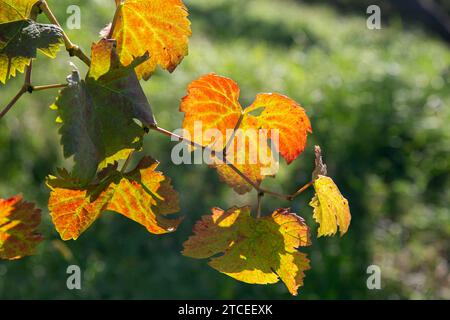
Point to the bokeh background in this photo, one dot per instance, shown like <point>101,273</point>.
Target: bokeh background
<point>379,101</point>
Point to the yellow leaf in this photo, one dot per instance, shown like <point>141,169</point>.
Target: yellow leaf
<point>14,10</point>
<point>331,209</point>
<point>259,251</point>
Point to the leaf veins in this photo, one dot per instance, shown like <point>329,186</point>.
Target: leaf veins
<point>259,251</point>
<point>142,195</point>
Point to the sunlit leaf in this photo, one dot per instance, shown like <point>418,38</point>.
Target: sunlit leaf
<point>18,223</point>
<point>331,209</point>
<point>98,117</point>
<point>259,251</point>
<point>158,27</point>
<point>142,195</point>
<point>13,10</point>
<point>212,102</point>
<point>19,42</point>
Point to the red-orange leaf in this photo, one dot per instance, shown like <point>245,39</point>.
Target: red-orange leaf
<point>259,251</point>
<point>18,223</point>
<point>159,27</point>
<point>143,195</point>
<point>212,103</point>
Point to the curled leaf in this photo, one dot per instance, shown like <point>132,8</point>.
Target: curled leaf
<point>18,223</point>
<point>331,209</point>
<point>142,195</point>
<point>259,251</point>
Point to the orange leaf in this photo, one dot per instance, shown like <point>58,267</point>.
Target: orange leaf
<point>212,102</point>
<point>284,114</point>
<point>18,223</point>
<point>159,27</point>
<point>142,195</point>
<point>259,251</point>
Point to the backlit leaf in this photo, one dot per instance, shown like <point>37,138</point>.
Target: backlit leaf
<point>212,102</point>
<point>142,195</point>
<point>13,10</point>
<point>259,251</point>
<point>18,223</point>
<point>331,209</point>
<point>98,116</point>
<point>19,42</point>
<point>158,27</point>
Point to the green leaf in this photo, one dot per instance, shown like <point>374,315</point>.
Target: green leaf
<point>19,42</point>
<point>98,117</point>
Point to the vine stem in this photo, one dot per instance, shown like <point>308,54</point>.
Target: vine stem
<point>72,49</point>
<point>12,102</point>
<point>127,162</point>
<point>261,191</point>
<point>259,204</point>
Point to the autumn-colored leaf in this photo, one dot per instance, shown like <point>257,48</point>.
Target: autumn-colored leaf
<point>212,102</point>
<point>19,42</point>
<point>102,56</point>
<point>158,27</point>
<point>331,209</point>
<point>98,116</point>
<point>142,195</point>
<point>18,223</point>
<point>13,10</point>
<point>259,251</point>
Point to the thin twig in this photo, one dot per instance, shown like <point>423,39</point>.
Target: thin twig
<point>127,162</point>
<point>25,88</point>
<point>71,48</point>
<point>49,86</point>
<point>255,185</point>
<point>238,124</point>
<point>301,190</point>
<point>12,102</point>
<point>259,204</point>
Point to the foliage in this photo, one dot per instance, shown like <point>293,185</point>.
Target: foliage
<point>382,122</point>
<point>18,223</point>
<point>99,129</point>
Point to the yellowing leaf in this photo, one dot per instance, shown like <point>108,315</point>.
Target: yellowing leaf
<point>331,209</point>
<point>142,195</point>
<point>99,116</point>
<point>259,251</point>
<point>101,54</point>
<point>158,27</point>
<point>13,10</point>
<point>18,223</point>
<point>212,102</point>
<point>19,42</point>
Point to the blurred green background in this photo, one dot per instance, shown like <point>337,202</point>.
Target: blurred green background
<point>379,104</point>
